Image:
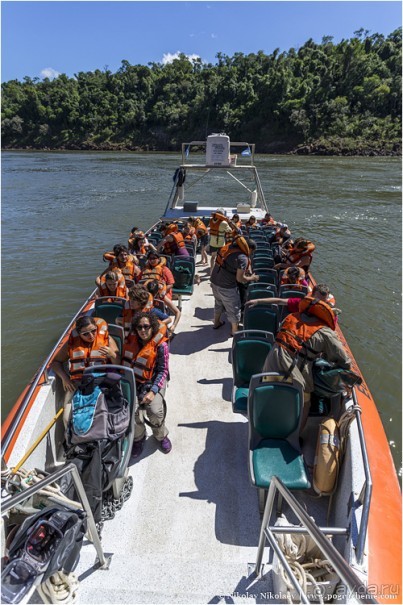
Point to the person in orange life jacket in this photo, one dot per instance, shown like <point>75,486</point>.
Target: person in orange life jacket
<point>299,255</point>
<point>154,262</point>
<point>320,292</point>
<point>189,235</point>
<point>153,287</point>
<point>173,242</point>
<point>138,243</point>
<point>140,299</point>
<point>89,344</point>
<point>294,276</point>
<point>232,266</point>
<point>147,352</point>
<point>202,236</point>
<point>282,235</point>
<point>220,226</point>
<point>303,337</point>
<point>268,220</point>
<point>112,284</point>
<point>126,263</point>
<point>237,225</point>
<point>251,223</point>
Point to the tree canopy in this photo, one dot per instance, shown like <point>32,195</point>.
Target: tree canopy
<point>350,91</point>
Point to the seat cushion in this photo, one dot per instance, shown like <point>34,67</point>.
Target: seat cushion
<point>241,400</point>
<point>278,457</point>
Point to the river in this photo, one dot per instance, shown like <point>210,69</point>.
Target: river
<point>61,210</point>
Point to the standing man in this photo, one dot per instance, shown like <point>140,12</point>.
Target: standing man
<point>232,265</point>
<point>219,226</point>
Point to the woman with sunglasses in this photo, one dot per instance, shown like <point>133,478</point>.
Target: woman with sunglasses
<point>89,344</point>
<point>146,352</point>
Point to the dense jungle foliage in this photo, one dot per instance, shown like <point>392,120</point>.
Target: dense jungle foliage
<point>324,98</point>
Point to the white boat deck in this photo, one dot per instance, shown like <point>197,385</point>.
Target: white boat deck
<point>191,525</point>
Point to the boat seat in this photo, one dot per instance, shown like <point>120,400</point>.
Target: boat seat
<point>262,285</point>
<point>118,335</point>
<point>264,263</point>
<point>263,254</point>
<point>267,275</point>
<point>260,293</point>
<point>249,351</point>
<point>261,317</point>
<point>183,270</point>
<point>108,310</point>
<point>291,289</point>
<point>289,294</point>
<point>275,410</point>
<point>190,248</point>
<point>128,385</point>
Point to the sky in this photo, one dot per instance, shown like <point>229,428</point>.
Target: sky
<point>44,39</point>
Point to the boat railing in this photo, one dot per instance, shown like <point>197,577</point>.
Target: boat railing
<point>354,585</point>
<point>101,561</point>
<point>42,373</point>
<point>366,491</point>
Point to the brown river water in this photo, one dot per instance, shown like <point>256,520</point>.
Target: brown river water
<point>61,211</point>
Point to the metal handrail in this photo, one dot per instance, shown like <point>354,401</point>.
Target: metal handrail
<point>339,564</point>
<point>54,477</point>
<point>40,372</point>
<point>366,504</point>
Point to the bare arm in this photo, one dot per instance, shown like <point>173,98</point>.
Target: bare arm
<point>57,366</point>
<point>243,278</point>
<point>174,310</point>
<point>272,301</point>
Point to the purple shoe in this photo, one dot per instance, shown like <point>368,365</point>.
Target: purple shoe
<point>138,447</point>
<point>166,445</point>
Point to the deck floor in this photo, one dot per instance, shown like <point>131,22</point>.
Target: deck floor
<point>191,525</point>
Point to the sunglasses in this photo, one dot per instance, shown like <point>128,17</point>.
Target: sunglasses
<point>88,333</point>
<point>143,327</point>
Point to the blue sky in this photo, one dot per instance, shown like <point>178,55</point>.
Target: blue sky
<point>45,38</point>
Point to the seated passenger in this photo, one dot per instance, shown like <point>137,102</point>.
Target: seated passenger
<point>202,236</point>
<point>319,292</point>
<point>153,286</point>
<point>112,284</point>
<point>251,223</point>
<point>295,276</point>
<point>173,242</point>
<point>89,344</point>
<point>268,220</point>
<point>156,268</point>
<point>127,264</point>
<point>189,235</point>
<point>281,235</point>
<point>147,352</point>
<point>322,292</point>
<point>303,337</point>
<point>237,230</point>
<point>140,300</point>
<point>300,255</point>
<point>111,256</point>
<point>138,243</point>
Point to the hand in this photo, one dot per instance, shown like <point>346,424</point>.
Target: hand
<point>251,303</point>
<point>107,351</point>
<point>148,398</point>
<point>68,385</point>
<point>255,277</point>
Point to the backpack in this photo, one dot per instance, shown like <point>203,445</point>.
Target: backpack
<point>329,379</point>
<point>99,410</point>
<point>183,276</point>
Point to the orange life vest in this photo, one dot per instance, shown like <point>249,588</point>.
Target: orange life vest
<point>82,355</point>
<point>172,228</point>
<point>126,318</point>
<point>130,270</point>
<point>200,227</point>
<point>215,222</point>
<point>297,253</point>
<point>295,332</point>
<point>286,280</point>
<point>142,358</point>
<point>237,245</point>
<point>179,242</point>
<point>121,290</point>
<point>150,273</point>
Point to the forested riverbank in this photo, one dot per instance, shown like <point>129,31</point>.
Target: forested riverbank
<point>325,99</point>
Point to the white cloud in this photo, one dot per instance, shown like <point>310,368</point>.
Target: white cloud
<point>169,57</point>
<point>50,73</point>
<point>214,36</point>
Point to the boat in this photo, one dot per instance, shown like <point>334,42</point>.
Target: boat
<point>191,527</point>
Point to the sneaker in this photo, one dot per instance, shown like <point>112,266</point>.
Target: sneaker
<point>166,445</point>
<point>138,447</point>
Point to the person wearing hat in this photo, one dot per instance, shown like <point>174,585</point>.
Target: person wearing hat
<point>219,227</point>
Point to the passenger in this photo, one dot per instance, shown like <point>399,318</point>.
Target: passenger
<point>202,236</point>
<point>146,351</point>
<point>154,289</point>
<point>140,300</point>
<point>231,266</point>
<point>251,223</point>
<point>322,292</point>
<point>173,242</point>
<point>303,337</point>
<point>111,256</point>
<point>294,276</point>
<point>189,235</point>
<point>127,264</point>
<point>138,243</point>
<point>319,292</point>
<point>300,255</point>
<point>112,285</point>
<point>282,235</point>
<point>237,230</point>
<point>242,287</point>
<point>89,344</point>
<point>219,227</point>
<point>268,220</point>
<point>156,268</point>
